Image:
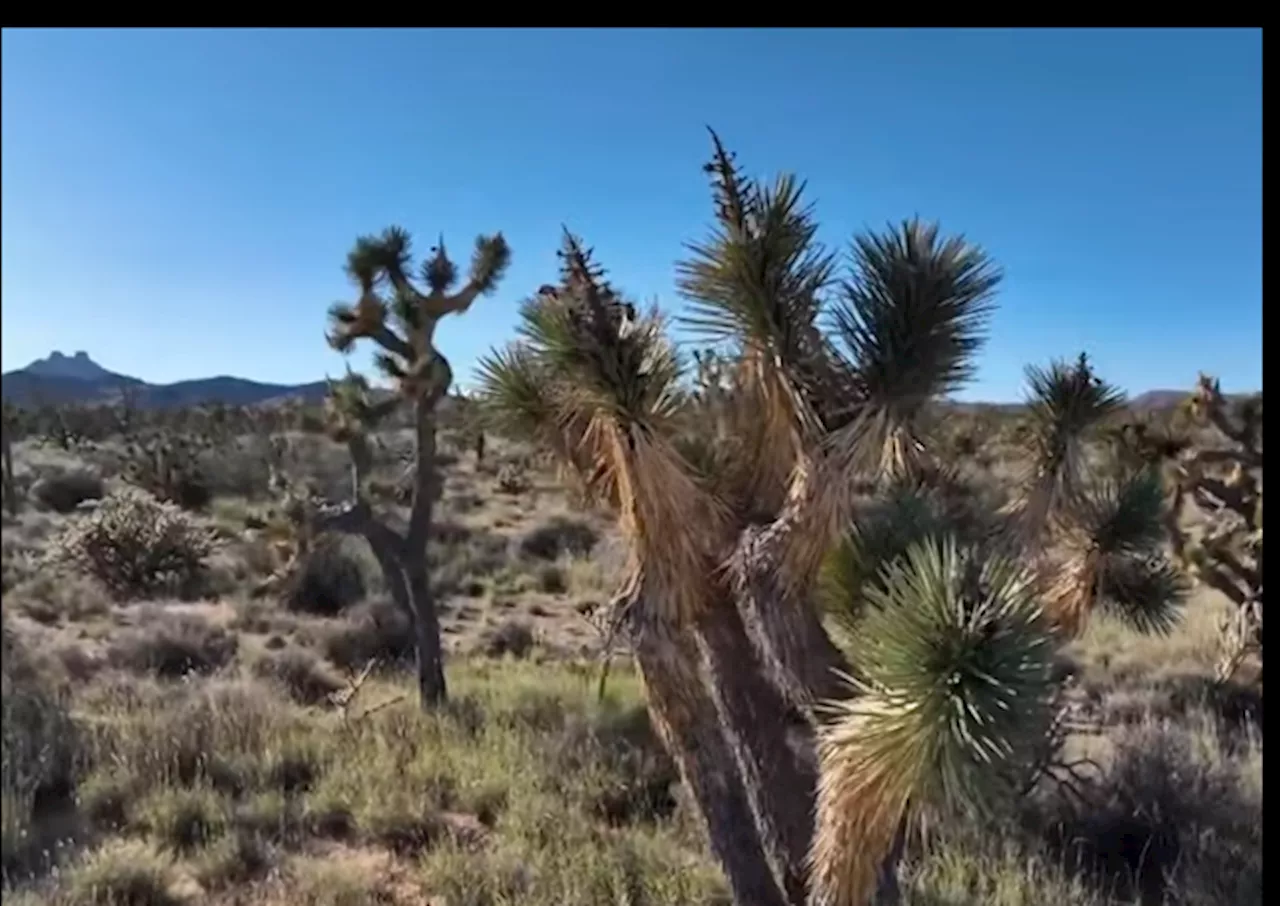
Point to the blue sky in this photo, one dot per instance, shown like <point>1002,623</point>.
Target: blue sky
<point>180,203</point>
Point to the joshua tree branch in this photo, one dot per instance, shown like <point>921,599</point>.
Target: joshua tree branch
<point>1217,579</point>
<point>440,304</point>
<point>387,338</point>
<point>400,281</point>
<point>1215,494</point>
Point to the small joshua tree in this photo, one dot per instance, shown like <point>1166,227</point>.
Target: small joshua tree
<point>400,316</point>
<point>11,430</point>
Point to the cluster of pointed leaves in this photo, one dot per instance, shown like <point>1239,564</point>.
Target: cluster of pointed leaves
<point>834,359</point>
<point>954,659</point>
<point>886,528</point>
<point>1065,404</point>
<point>600,384</point>
<point>1110,542</point>
<point>399,315</point>
<point>1098,548</point>
<point>1096,537</point>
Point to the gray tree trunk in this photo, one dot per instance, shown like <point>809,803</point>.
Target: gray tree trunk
<point>688,723</point>
<point>771,743</point>
<point>426,624</point>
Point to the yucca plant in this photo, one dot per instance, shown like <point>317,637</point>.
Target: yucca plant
<point>793,479</point>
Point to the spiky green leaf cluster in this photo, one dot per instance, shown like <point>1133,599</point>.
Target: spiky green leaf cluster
<point>379,265</point>
<point>906,326</point>
<point>955,660</point>
<point>584,352</point>
<point>884,531</point>
<point>1122,516</point>
<point>1146,592</point>
<point>608,357</point>
<point>757,281</point>
<point>1109,555</point>
<point>913,314</point>
<point>1065,403</point>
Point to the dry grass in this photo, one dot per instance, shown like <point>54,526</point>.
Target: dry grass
<point>207,763</point>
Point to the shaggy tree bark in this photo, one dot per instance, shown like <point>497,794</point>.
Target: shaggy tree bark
<point>768,738</point>
<point>785,628</point>
<point>687,721</point>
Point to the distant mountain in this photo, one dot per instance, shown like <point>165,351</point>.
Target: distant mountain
<point>79,379</point>
<point>78,367</point>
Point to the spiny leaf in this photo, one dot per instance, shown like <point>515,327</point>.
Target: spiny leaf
<point>1147,592</point>
<point>907,325</point>
<point>882,534</point>
<point>956,691</point>
<point>1120,517</point>
<point>489,261</point>
<point>1064,403</point>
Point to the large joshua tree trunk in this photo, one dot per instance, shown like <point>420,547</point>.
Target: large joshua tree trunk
<point>784,626</point>
<point>770,741</point>
<point>688,722</point>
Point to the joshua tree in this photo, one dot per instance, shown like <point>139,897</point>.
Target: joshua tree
<point>1218,474</point>
<point>400,317</point>
<point>745,504</point>
<point>124,410</point>
<point>11,430</point>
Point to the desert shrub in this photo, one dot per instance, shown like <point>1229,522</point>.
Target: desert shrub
<point>173,645</point>
<point>513,637</point>
<point>622,773</point>
<point>123,873</point>
<point>513,478</point>
<point>1174,817</point>
<point>241,469</point>
<point>63,493</point>
<point>237,858</point>
<point>137,545</point>
<point>559,535</point>
<point>37,758</point>
<point>551,579</point>
<point>464,501</point>
<point>460,556</point>
<point>184,819</point>
<point>308,680</point>
<point>213,733</point>
<point>106,800</point>
<point>49,597</point>
<point>331,580</point>
<point>375,630</point>
<point>167,466</point>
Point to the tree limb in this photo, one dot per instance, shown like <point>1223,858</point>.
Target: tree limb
<point>387,338</point>
<point>440,304</point>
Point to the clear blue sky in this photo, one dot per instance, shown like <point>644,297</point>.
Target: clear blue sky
<point>180,203</point>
